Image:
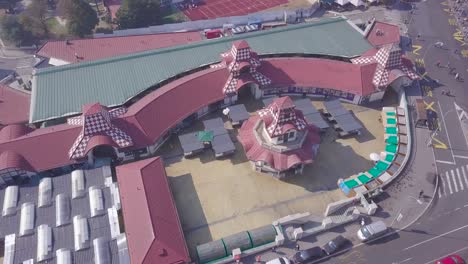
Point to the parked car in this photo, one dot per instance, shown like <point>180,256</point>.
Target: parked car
<point>281,260</point>
<point>451,259</point>
<point>334,244</point>
<point>307,254</point>
<point>371,231</point>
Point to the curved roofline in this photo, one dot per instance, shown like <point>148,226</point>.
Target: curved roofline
<point>139,121</point>
<point>183,74</point>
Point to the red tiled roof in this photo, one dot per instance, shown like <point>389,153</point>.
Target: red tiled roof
<point>383,33</point>
<point>284,102</point>
<point>99,48</point>
<point>152,224</point>
<point>241,44</point>
<point>114,6</point>
<point>11,132</point>
<point>190,93</point>
<point>311,72</point>
<point>12,160</point>
<point>279,161</point>
<point>14,106</point>
<point>45,148</point>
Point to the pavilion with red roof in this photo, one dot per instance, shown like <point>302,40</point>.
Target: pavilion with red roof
<point>278,140</point>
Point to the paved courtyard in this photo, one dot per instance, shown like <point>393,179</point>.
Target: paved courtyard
<point>216,198</point>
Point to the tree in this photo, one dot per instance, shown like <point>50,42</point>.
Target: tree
<point>13,31</point>
<point>35,18</point>
<point>81,17</point>
<point>64,7</point>
<point>11,5</point>
<point>138,13</point>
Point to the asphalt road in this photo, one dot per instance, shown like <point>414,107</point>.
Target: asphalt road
<point>21,62</point>
<point>443,230</point>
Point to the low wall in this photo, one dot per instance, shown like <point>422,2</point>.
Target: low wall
<point>335,206</point>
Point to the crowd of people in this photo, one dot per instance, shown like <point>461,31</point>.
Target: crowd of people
<point>459,9</point>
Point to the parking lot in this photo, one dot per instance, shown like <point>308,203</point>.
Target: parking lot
<point>216,198</point>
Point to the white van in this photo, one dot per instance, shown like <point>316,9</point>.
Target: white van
<point>371,231</point>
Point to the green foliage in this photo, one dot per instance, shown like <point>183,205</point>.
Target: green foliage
<point>34,19</point>
<point>138,13</point>
<point>14,32</point>
<point>104,30</point>
<point>81,17</point>
<point>11,5</point>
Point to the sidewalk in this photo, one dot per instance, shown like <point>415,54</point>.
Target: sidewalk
<point>400,204</point>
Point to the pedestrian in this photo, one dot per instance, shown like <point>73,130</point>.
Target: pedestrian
<point>273,249</point>
<point>297,247</point>
<point>258,258</point>
<point>419,36</point>
<point>448,64</point>
<point>363,221</point>
<point>457,76</point>
<point>421,193</point>
<point>455,51</point>
<point>438,63</point>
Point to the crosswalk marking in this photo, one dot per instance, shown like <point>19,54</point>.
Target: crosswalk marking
<point>464,175</point>
<point>454,181</point>
<point>447,177</point>
<point>460,180</point>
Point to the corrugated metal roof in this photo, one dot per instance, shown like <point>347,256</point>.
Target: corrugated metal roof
<point>63,90</point>
<point>26,246</point>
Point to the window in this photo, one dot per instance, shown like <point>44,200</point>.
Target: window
<point>291,134</point>
<point>287,115</point>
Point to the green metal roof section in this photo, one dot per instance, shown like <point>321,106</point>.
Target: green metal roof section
<point>61,91</point>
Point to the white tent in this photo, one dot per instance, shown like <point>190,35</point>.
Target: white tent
<point>356,2</point>
<point>342,2</point>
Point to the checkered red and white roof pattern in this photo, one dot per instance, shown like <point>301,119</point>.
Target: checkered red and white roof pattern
<point>388,58</point>
<point>239,57</point>
<point>276,116</point>
<point>98,123</point>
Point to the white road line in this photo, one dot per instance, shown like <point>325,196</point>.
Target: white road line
<point>460,157</point>
<point>403,261</point>
<point>460,180</point>
<point>451,253</point>
<point>447,177</point>
<point>454,180</point>
<point>466,205</point>
<point>443,185</point>
<point>445,162</point>
<point>464,176</point>
<point>446,131</point>
<point>440,191</point>
<point>430,239</point>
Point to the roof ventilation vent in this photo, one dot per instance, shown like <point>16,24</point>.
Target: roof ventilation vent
<point>10,201</point>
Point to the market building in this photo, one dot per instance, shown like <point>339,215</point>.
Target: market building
<point>278,140</point>
<point>122,109</point>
